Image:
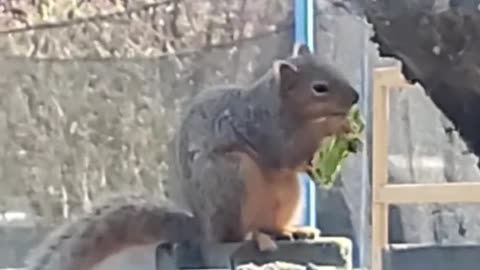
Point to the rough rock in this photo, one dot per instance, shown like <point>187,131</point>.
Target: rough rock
<point>436,44</point>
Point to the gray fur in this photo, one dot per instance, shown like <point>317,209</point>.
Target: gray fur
<point>119,222</point>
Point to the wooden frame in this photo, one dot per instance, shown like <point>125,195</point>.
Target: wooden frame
<point>383,193</point>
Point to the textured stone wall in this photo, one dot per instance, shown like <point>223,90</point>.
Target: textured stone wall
<point>96,114</point>
<point>92,126</point>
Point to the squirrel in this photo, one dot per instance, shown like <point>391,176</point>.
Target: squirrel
<point>242,148</point>
<point>238,152</point>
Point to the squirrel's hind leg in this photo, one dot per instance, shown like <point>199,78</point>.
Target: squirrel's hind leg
<point>215,192</point>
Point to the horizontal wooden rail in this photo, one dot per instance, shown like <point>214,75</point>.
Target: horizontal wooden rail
<point>461,192</point>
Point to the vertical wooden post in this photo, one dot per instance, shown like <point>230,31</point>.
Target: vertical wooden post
<point>380,167</point>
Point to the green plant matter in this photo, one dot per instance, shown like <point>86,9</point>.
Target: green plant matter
<point>330,157</point>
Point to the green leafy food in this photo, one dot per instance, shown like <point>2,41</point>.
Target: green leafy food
<point>331,155</point>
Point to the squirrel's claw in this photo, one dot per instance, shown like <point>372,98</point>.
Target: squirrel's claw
<point>294,233</point>
<point>305,232</point>
<point>300,233</point>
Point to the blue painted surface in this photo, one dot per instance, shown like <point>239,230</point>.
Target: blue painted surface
<point>305,33</point>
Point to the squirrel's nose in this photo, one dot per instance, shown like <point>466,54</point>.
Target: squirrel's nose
<point>355,97</point>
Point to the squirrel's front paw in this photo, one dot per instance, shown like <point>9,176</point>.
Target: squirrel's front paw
<point>295,233</point>
<point>304,232</point>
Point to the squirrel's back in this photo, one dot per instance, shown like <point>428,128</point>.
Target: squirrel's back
<point>204,123</point>
<point>117,224</point>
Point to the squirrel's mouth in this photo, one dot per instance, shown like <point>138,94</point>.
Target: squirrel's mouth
<point>338,114</point>
<point>329,116</point>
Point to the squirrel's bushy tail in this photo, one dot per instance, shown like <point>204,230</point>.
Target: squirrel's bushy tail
<point>119,223</point>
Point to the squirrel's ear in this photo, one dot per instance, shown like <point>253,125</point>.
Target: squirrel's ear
<point>285,73</point>
<point>300,49</point>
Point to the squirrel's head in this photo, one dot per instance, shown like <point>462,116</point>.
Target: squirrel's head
<point>312,89</point>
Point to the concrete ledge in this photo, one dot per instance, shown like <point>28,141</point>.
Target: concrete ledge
<point>432,257</point>
<point>324,251</point>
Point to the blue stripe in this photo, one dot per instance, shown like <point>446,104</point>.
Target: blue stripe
<point>305,33</point>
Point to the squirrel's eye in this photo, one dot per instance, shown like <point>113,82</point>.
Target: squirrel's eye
<point>320,88</point>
